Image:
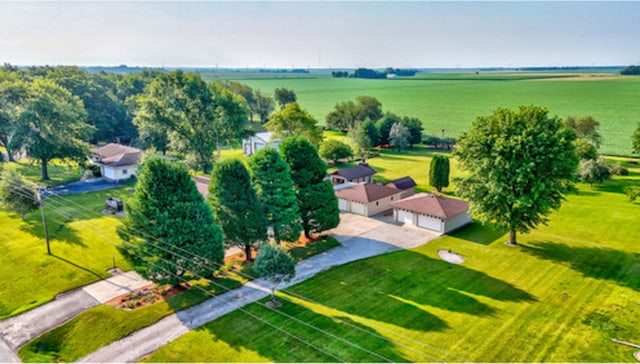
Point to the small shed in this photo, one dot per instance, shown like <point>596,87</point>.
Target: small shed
<point>433,212</point>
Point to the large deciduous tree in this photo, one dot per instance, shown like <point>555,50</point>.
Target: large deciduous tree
<point>271,178</point>
<point>399,136</point>
<point>13,97</point>
<point>593,170</point>
<point>263,106</point>
<point>52,125</point>
<point>360,137</point>
<point>368,107</point>
<point>384,126</point>
<point>520,163</point>
<point>415,130</point>
<point>586,128</point>
<point>635,140</point>
<point>197,117</point>
<point>274,264</point>
<point>169,229</point>
<point>344,116</point>
<point>235,205</point>
<point>334,150</point>
<point>295,121</point>
<point>284,97</point>
<point>439,172</point>
<point>316,199</point>
<point>15,195</point>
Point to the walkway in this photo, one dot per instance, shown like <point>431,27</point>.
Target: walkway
<point>19,330</point>
<point>361,237</point>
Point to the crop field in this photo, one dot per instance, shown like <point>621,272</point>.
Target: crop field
<point>452,102</point>
<point>561,296</point>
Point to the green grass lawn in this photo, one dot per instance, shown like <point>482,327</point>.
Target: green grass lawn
<point>104,324</point>
<point>60,172</point>
<point>560,296</point>
<point>454,104</point>
<point>82,246</point>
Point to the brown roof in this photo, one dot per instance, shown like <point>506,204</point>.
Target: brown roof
<point>117,155</point>
<point>366,192</point>
<point>202,184</point>
<point>359,171</point>
<point>433,205</point>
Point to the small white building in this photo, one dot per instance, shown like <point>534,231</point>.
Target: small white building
<point>117,162</point>
<point>366,198</point>
<point>433,212</point>
<point>259,141</point>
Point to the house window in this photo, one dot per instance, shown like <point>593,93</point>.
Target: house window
<point>391,198</point>
<point>124,171</point>
<point>376,203</point>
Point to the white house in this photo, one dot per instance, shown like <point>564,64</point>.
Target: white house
<point>259,141</point>
<point>366,198</point>
<point>117,162</point>
<point>433,212</point>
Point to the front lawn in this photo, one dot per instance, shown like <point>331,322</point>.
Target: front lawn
<point>60,172</point>
<point>559,297</point>
<point>82,245</point>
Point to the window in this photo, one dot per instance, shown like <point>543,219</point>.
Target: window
<point>376,203</point>
<point>391,198</point>
<point>124,171</point>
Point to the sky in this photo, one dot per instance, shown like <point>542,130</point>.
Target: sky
<point>323,34</point>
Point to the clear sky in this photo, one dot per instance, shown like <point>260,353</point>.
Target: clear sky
<point>321,34</point>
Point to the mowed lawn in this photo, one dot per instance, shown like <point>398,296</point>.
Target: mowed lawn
<point>559,297</point>
<point>453,104</point>
<point>82,245</point>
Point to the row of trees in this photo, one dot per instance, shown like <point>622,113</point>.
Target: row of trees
<point>170,230</point>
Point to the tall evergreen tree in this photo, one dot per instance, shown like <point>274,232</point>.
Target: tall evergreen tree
<point>439,172</point>
<point>166,212</point>
<point>317,201</point>
<point>271,178</point>
<point>235,205</point>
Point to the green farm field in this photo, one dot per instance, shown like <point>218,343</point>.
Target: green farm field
<point>452,102</point>
<point>561,296</point>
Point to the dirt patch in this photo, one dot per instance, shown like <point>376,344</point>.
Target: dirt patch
<point>451,257</point>
<point>146,296</point>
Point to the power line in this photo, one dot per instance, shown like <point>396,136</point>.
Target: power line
<point>431,347</point>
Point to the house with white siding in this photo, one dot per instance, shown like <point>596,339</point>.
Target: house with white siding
<point>259,141</point>
<point>360,173</point>
<point>433,212</point>
<point>117,162</point>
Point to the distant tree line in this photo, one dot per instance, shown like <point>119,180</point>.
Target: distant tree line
<point>631,70</point>
<point>373,74</point>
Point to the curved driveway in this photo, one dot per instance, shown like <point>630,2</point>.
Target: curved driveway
<point>361,237</point>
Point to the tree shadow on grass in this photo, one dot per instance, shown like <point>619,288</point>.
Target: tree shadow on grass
<point>58,230</point>
<point>601,263</point>
<point>481,233</point>
<point>303,340</point>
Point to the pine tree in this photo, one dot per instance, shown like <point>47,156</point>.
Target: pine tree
<point>235,205</point>
<point>166,212</point>
<point>317,201</point>
<point>439,172</point>
<point>271,178</point>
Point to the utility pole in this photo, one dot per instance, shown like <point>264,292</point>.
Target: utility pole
<point>44,219</point>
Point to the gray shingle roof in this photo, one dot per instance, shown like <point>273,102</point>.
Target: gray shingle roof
<point>359,171</point>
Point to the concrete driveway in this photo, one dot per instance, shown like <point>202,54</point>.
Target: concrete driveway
<point>361,237</point>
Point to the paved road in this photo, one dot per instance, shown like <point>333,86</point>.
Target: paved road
<point>18,330</point>
<point>74,188</point>
<point>360,237</point>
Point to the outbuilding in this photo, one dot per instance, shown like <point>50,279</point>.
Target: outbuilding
<point>406,184</point>
<point>360,173</point>
<point>433,212</point>
<point>117,162</point>
<point>366,198</point>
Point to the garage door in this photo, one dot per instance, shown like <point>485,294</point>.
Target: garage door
<point>357,208</point>
<point>405,217</point>
<point>429,222</point>
<point>342,204</point>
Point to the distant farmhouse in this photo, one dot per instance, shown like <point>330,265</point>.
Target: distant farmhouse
<point>360,173</point>
<point>259,141</point>
<point>117,162</point>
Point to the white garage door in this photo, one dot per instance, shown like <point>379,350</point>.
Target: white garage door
<point>357,208</point>
<point>429,222</point>
<point>342,204</point>
<point>405,217</point>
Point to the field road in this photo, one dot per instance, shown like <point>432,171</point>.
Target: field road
<point>361,237</point>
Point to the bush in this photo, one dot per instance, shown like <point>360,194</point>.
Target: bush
<point>617,169</point>
<point>95,170</point>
